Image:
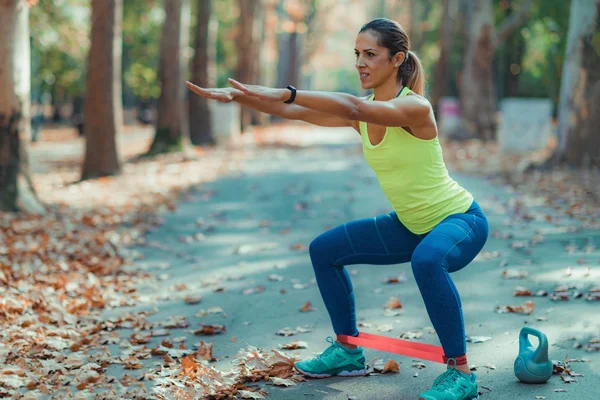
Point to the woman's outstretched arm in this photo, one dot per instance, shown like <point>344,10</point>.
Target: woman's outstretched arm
<point>401,111</point>
<point>280,109</point>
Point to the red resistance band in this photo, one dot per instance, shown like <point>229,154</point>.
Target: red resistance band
<point>391,345</point>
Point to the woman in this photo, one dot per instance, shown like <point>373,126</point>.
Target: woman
<point>436,225</point>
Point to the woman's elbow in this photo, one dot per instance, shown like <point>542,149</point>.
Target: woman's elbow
<point>355,110</point>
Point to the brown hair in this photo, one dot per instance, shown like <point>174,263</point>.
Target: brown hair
<point>392,36</point>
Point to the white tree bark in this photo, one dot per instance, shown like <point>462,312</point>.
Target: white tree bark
<point>579,140</point>
<point>16,190</point>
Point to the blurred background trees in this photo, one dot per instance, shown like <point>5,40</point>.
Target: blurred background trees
<point>476,53</point>
<point>103,111</point>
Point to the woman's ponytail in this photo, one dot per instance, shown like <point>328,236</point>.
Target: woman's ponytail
<point>411,74</point>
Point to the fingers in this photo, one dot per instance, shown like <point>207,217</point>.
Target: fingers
<point>236,84</point>
<point>198,90</point>
<point>242,88</point>
<point>213,94</point>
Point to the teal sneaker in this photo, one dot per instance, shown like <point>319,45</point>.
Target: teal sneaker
<point>452,385</point>
<point>335,360</point>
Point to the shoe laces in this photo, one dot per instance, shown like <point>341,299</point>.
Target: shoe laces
<point>328,350</point>
<point>447,380</point>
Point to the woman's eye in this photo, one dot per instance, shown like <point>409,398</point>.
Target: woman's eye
<point>370,54</point>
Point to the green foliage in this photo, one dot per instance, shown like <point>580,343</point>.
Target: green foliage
<point>59,45</point>
<point>544,36</point>
<point>142,24</point>
<point>60,42</point>
<point>227,13</point>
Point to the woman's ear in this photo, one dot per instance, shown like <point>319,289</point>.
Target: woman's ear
<point>399,59</point>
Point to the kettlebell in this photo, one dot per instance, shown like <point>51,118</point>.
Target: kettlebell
<point>533,365</point>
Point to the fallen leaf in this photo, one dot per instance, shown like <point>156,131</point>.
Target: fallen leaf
<point>384,328</point>
<point>246,394</point>
<point>282,382</point>
<point>298,247</point>
<point>192,299</point>
<point>396,279</point>
<point>280,365</point>
<point>304,329</point>
<point>258,289</point>
<point>210,330</point>
<point>478,339</point>
<point>514,274</point>
<point>411,335</point>
<point>418,365</point>
<point>286,332</point>
<point>521,291</point>
<point>301,286</point>
<point>393,303</point>
<point>568,378</point>
<point>205,351</point>
<point>391,366</point>
<point>525,308</point>
<point>294,345</point>
<point>307,307</point>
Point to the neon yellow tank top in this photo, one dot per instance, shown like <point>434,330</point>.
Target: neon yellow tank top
<point>413,176</point>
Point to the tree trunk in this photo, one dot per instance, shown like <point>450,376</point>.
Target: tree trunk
<point>441,75</point>
<point>171,121</point>
<point>203,74</point>
<point>288,47</point>
<point>248,45</point>
<point>476,85</point>
<point>103,108</point>
<point>16,189</point>
<point>579,140</point>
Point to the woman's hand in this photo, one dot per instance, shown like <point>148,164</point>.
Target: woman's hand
<point>224,95</point>
<point>261,92</point>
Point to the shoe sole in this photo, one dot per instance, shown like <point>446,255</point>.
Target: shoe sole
<point>343,373</point>
<point>474,398</point>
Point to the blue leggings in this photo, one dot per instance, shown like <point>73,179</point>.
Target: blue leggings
<point>383,240</point>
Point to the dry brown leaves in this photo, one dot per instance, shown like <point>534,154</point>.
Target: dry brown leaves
<point>194,378</point>
<point>525,308</point>
<point>59,272</point>
<point>570,192</point>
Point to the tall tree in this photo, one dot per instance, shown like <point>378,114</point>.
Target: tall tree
<point>289,42</point>
<point>579,140</point>
<point>203,73</point>
<point>445,40</point>
<point>476,85</point>
<point>171,121</point>
<point>103,109</point>
<point>16,189</point>
<point>248,47</point>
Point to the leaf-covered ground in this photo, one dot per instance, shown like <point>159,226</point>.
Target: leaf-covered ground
<point>63,273</point>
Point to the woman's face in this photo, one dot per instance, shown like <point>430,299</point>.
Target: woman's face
<point>373,62</point>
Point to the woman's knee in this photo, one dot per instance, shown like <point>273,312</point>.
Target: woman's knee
<point>330,246</point>
<point>426,263</point>
<point>317,246</point>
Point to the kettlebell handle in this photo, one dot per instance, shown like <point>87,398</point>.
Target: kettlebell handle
<point>541,353</point>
